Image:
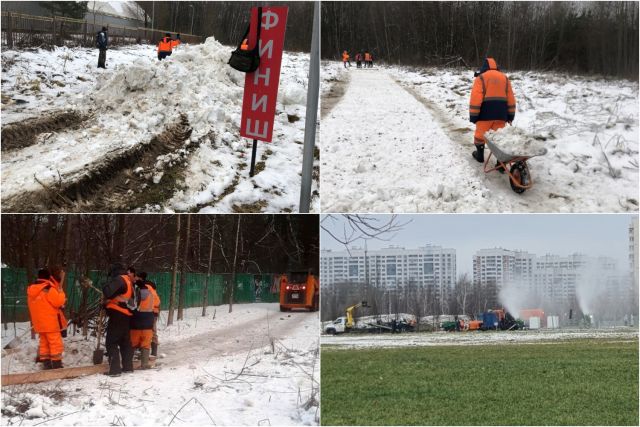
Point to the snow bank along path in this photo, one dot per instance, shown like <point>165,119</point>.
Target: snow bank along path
<point>246,367</point>
<point>134,100</point>
<point>355,341</point>
<point>384,152</point>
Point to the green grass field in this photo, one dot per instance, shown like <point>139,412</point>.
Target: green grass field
<point>569,383</point>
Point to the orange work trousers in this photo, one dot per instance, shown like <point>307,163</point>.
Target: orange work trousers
<point>51,346</point>
<point>485,126</point>
<point>141,338</point>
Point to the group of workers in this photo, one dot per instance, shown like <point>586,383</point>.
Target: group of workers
<point>363,60</point>
<point>131,304</point>
<point>166,46</point>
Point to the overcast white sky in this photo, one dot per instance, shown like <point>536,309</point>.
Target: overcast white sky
<point>560,234</point>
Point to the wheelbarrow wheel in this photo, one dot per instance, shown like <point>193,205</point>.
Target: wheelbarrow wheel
<point>519,176</point>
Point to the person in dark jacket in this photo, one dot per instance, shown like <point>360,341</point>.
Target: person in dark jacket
<point>102,42</point>
<point>119,303</point>
<point>142,321</point>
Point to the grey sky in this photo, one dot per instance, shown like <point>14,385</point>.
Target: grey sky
<point>560,234</point>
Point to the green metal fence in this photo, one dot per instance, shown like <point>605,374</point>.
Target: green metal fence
<point>248,288</point>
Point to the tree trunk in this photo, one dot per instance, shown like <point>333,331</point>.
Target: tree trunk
<point>233,275</point>
<point>176,258</point>
<point>183,276</point>
<point>205,292</point>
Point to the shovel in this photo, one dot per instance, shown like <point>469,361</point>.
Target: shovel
<point>98,353</point>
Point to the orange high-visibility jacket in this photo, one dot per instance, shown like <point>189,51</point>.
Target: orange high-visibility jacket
<point>114,303</point>
<point>175,43</point>
<point>367,56</point>
<point>492,97</point>
<point>345,56</point>
<point>45,299</point>
<point>244,45</point>
<point>164,45</point>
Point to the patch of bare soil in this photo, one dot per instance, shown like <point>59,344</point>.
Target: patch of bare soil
<point>24,133</point>
<point>146,174</point>
<point>332,96</point>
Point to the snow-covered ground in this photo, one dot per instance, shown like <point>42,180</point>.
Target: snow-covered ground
<point>399,140</point>
<point>364,340</point>
<point>254,366</point>
<point>136,98</point>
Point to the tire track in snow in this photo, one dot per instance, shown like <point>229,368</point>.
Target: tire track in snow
<point>383,151</point>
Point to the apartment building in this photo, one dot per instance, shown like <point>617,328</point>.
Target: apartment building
<point>390,268</point>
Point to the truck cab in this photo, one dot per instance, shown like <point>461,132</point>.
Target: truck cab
<point>337,327</point>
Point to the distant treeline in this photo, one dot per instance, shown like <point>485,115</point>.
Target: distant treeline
<point>228,20</point>
<point>580,37</point>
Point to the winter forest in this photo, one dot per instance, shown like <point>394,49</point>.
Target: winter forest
<point>586,38</point>
<point>194,243</point>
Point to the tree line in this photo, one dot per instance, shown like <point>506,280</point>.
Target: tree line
<point>581,37</point>
<point>178,243</point>
<point>228,20</point>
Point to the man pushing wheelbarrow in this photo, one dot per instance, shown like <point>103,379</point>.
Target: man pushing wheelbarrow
<point>492,105</point>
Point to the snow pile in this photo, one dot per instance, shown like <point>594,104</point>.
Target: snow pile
<point>348,341</point>
<point>254,366</point>
<point>515,142</point>
<point>136,98</point>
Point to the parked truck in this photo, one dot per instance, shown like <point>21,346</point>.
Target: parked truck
<point>344,323</point>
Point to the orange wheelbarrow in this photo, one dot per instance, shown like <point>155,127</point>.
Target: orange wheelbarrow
<point>513,164</point>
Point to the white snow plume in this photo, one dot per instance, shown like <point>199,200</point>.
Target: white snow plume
<point>515,297</point>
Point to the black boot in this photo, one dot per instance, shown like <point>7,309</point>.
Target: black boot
<point>154,349</point>
<point>46,364</point>
<point>479,153</point>
<point>499,167</point>
<point>56,364</point>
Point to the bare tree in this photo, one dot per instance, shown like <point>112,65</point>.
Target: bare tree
<point>235,258</point>
<point>174,279</point>
<point>185,267</point>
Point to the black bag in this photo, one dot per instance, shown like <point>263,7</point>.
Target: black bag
<point>247,61</point>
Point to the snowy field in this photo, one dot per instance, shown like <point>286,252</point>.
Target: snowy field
<point>399,140</point>
<point>123,108</point>
<point>347,341</point>
<point>254,366</point>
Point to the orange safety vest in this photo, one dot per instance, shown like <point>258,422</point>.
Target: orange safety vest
<point>175,43</point>
<point>156,299</point>
<point>148,304</point>
<point>367,57</point>
<point>45,299</point>
<point>164,45</point>
<point>345,56</point>
<point>114,303</point>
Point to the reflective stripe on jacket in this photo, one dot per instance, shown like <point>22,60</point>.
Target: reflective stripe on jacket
<point>492,97</point>
<point>123,302</point>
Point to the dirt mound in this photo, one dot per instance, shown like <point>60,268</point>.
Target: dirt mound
<point>23,134</point>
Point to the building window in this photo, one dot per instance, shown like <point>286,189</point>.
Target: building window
<point>391,269</point>
<point>428,268</point>
<point>353,270</point>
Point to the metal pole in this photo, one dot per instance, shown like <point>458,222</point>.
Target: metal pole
<point>253,157</point>
<point>312,113</point>
<point>153,14</point>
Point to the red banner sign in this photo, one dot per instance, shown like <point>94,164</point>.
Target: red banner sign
<point>261,86</point>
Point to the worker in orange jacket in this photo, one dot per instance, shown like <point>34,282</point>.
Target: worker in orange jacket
<point>142,321</point>
<point>156,311</point>
<point>345,59</point>
<point>164,47</point>
<point>45,299</point>
<point>120,303</point>
<point>492,104</point>
<point>176,42</point>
